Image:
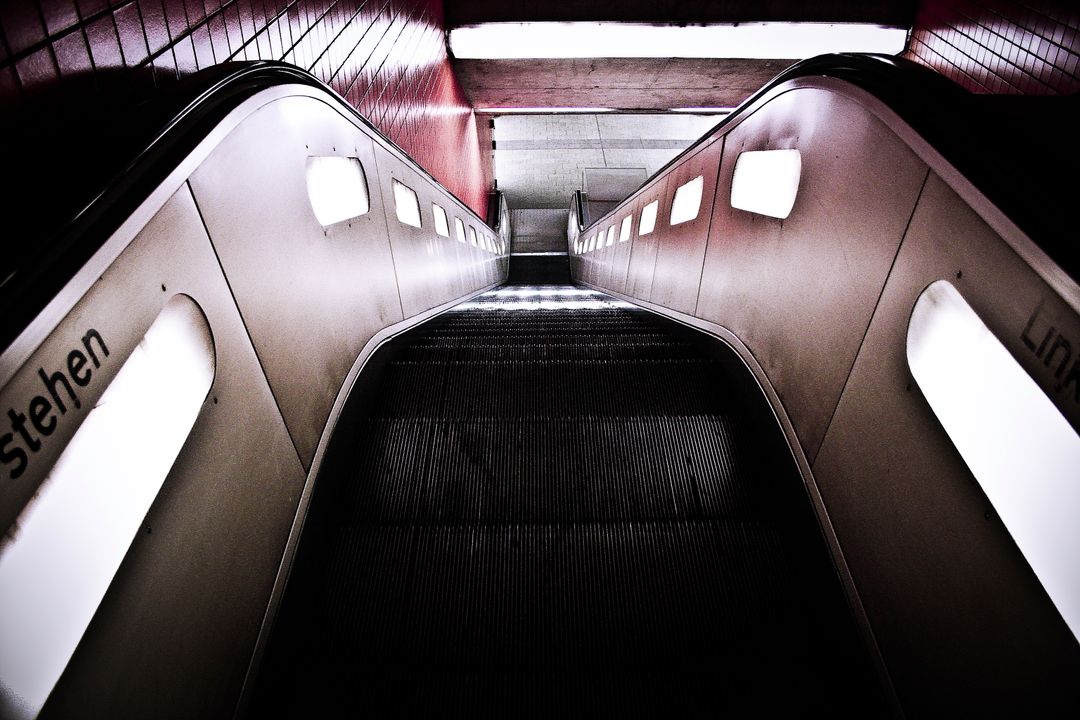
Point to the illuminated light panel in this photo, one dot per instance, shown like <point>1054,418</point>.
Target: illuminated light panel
<point>610,236</point>
<point>406,204</point>
<point>542,110</point>
<point>459,227</point>
<point>71,538</point>
<point>648,218</point>
<point>704,110</point>
<point>337,189</point>
<point>472,236</point>
<point>441,226</point>
<point>766,182</point>
<point>1017,444</point>
<point>687,202</point>
<point>762,41</point>
<point>624,230</point>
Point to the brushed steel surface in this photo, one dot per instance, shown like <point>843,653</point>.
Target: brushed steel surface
<point>681,248</point>
<point>184,603</point>
<point>310,296</point>
<point>639,277</point>
<point>800,292</point>
<point>950,596</point>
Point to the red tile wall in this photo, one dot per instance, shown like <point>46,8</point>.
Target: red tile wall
<point>387,57</point>
<point>1001,46</point>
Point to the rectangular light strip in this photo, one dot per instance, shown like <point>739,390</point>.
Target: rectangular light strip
<point>1020,448</point>
<point>766,182</point>
<point>73,536</point>
<point>763,41</point>
<point>543,110</point>
<point>703,110</point>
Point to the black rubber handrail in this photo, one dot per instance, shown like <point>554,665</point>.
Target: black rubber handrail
<point>156,136</point>
<point>1012,148</point>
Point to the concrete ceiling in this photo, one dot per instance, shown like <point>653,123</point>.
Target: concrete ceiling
<point>540,159</point>
<point>642,84</point>
<point>620,83</point>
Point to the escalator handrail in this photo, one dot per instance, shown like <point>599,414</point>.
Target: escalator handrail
<point>960,126</point>
<point>176,122</point>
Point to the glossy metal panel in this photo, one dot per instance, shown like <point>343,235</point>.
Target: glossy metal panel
<point>620,257</point>
<point>951,598</point>
<point>426,262</point>
<point>310,296</point>
<point>799,292</point>
<point>186,601</point>
<point>681,248</point>
<point>643,253</point>
<point>1010,433</point>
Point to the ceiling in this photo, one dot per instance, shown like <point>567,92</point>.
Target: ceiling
<point>621,83</point>
<point>642,84</point>
<point>540,159</point>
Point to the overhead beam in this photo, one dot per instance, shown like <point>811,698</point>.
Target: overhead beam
<point>619,83</point>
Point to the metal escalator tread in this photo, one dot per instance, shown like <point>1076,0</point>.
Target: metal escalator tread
<point>545,512</point>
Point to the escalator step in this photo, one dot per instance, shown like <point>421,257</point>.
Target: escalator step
<point>532,512</point>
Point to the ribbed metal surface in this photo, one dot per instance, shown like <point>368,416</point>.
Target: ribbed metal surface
<point>553,503</point>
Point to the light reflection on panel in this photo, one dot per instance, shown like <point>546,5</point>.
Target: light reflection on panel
<point>1016,443</point>
<point>542,304</point>
<point>459,227</point>
<point>624,230</point>
<point>71,538</point>
<point>530,298</point>
<point>610,236</point>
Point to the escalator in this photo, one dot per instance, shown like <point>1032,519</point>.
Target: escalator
<point>424,482</point>
<point>547,502</point>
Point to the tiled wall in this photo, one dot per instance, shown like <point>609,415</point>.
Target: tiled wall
<point>1029,47</point>
<point>387,57</point>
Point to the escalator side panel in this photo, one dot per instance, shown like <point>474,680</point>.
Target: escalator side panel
<point>981,610</point>
<point>777,284</point>
<point>294,280</point>
<point>187,597</point>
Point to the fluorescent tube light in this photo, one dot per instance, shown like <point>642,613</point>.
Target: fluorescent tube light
<point>766,182</point>
<point>542,110</point>
<point>704,110</point>
<point>1017,444</point>
<point>491,41</point>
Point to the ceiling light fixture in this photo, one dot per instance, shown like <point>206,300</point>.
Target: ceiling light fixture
<point>771,40</point>
<point>541,110</point>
